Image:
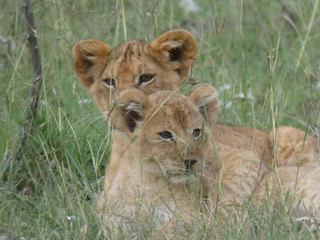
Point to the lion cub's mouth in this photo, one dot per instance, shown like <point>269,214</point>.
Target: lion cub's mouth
<point>178,174</point>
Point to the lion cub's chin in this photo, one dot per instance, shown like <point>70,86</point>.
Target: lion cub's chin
<point>181,178</point>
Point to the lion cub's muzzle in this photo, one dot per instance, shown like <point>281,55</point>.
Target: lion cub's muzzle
<point>189,163</point>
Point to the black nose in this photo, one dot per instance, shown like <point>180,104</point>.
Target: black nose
<point>189,164</point>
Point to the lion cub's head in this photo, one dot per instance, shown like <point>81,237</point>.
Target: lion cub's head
<point>169,131</point>
<point>160,65</point>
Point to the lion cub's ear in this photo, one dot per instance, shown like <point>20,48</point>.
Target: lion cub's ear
<point>205,97</point>
<point>131,109</point>
<point>90,59</point>
<point>178,46</point>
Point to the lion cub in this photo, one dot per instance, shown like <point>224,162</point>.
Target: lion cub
<point>160,65</point>
<point>157,159</point>
<point>166,167</point>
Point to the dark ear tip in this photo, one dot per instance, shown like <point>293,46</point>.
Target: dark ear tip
<point>176,54</point>
<point>132,118</point>
<point>132,105</point>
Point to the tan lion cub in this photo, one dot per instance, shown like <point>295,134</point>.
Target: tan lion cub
<point>163,153</point>
<point>157,159</point>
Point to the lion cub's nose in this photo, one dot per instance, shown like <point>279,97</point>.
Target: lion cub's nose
<point>189,164</point>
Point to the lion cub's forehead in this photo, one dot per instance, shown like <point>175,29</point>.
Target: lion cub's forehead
<point>131,50</point>
<point>128,60</point>
<point>178,110</point>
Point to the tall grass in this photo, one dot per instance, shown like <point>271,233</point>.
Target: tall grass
<point>262,56</point>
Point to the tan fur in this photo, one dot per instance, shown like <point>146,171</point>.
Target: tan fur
<point>297,187</point>
<point>147,175</point>
<point>294,147</point>
<point>289,146</point>
<point>167,58</point>
<point>243,178</point>
<point>241,162</point>
<point>238,155</point>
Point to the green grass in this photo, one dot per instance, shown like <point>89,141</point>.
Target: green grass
<point>267,49</point>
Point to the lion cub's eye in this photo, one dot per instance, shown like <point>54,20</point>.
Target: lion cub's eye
<point>145,78</point>
<point>196,133</point>
<point>166,135</point>
<point>109,82</point>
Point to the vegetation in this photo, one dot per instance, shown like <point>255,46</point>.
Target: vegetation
<point>261,55</point>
